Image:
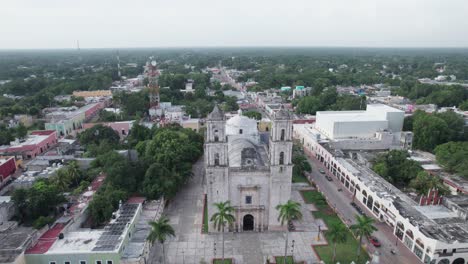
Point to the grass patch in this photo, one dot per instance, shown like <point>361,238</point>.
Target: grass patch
<point>205,216</point>
<point>299,179</point>
<point>220,261</point>
<point>345,253</point>
<point>316,198</point>
<point>289,260</point>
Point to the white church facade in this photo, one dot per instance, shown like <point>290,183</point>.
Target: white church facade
<point>250,169</point>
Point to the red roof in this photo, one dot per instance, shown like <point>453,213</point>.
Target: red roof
<point>136,200</point>
<point>42,132</point>
<point>46,240</point>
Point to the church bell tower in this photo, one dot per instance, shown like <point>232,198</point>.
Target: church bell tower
<point>280,164</point>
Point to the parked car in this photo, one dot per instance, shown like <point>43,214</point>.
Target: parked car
<point>321,171</point>
<point>329,178</point>
<point>374,241</point>
<point>358,209</point>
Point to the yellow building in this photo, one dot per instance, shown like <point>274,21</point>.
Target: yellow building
<point>97,93</point>
<point>193,123</point>
<point>264,125</point>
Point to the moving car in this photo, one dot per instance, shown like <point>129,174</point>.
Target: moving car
<point>321,171</point>
<point>374,241</point>
<point>329,178</point>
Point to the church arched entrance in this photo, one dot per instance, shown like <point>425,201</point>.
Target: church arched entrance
<point>248,224</point>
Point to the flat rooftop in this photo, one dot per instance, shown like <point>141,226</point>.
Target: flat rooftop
<point>436,211</point>
<point>31,140</point>
<point>4,159</point>
<point>13,242</point>
<point>151,211</point>
<point>373,113</point>
<point>76,242</point>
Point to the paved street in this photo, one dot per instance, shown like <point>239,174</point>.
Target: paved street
<point>190,246</point>
<point>341,200</point>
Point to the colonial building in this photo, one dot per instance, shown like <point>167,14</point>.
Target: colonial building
<point>250,169</point>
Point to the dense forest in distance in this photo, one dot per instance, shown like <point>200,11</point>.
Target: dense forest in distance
<point>38,75</point>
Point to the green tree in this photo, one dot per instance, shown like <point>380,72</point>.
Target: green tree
<point>287,212</point>
<point>396,168</point>
<point>20,199</point>
<point>99,133</point>
<point>337,234</point>
<point>253,114</point>
<point>230,104</point>
<point>363,228</point>
<point>160,181</point>
<point>137,134</point>
<point>450,154</point>
<point>453,156</point>
<point>21,131</point>
<point>221,218</point>
<point>74,172</point>
<point>61,179</point>
<point>429,131</point>
<point>160,231</point>
<point>464,105</point>
<point>104,203</point>
<point>455,124</point>
<point>424,182</point>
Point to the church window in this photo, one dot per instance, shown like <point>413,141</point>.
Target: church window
<point>248,199</point>
<point>216,138</point>
<point>282,134</point>
<point>216,159</point>
<point>240,131</point>
<point>281,158</point>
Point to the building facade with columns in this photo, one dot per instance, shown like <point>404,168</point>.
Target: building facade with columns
<point>433,228</point>
<point>250,169</point>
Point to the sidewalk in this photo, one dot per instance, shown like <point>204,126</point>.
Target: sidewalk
<point>341,202</point>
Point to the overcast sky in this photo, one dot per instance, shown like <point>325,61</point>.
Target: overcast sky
<point>189,23</point>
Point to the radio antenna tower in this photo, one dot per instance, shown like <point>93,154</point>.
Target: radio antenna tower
<point>78,49</point>
<point>153,76</point>
<point>118,65</point>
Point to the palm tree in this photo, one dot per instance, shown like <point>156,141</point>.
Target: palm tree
<point>221,218</point>
<point>160,230</point>
<point>287,212</point>
<point>61,179</point>
<point>74,172</point>
<point>363,228</point>
<point>337,234</point>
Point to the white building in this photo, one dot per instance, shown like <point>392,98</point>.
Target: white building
<point>248,168</point>
<point>379,127</point>
<point>346,124</point>
<point>434,229</point>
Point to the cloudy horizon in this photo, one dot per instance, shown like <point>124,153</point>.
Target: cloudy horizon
<point>56,24</point>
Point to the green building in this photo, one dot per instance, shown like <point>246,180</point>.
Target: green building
<point>67,243</point>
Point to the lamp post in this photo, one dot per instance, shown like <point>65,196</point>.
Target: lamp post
<point>318,233</point>
<point>292,250</point>
<point>214,249</point>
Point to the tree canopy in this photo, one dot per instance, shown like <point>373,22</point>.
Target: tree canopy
<point>453,156</point>
<point>396,168</point>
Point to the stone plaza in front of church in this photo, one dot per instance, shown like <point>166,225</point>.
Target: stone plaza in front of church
<point>190,246</point>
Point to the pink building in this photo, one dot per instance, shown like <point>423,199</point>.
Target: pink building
<point>122,128</point>
<point>7,168</point>
<point>35,144</point>
<point>92,110</point>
